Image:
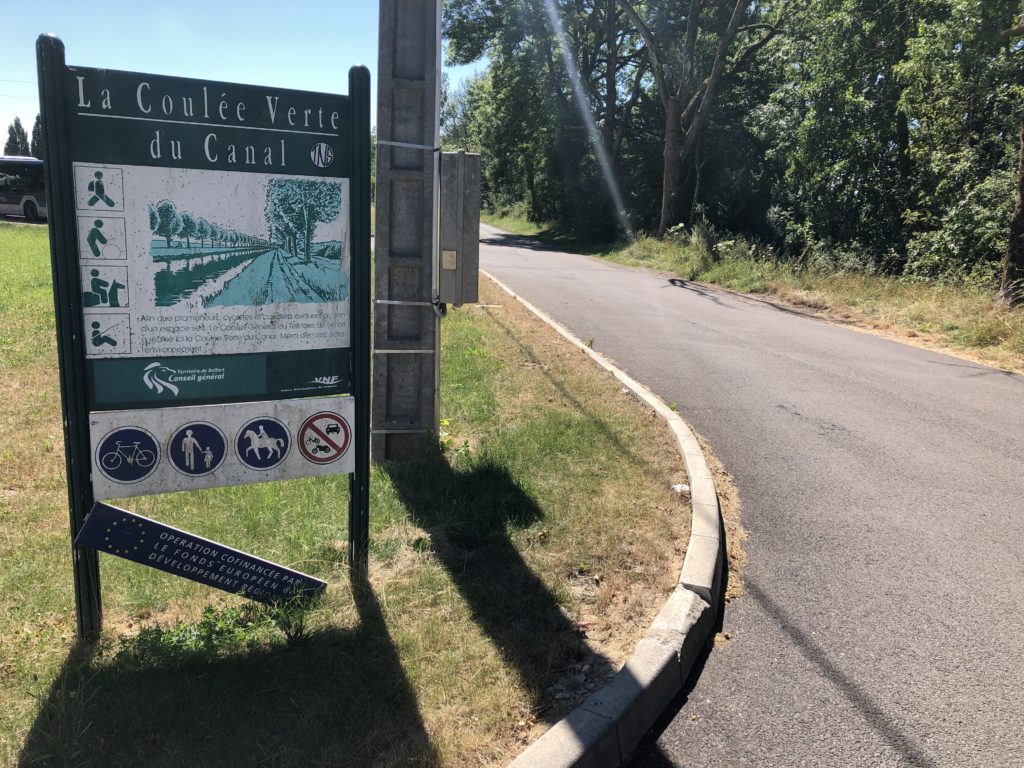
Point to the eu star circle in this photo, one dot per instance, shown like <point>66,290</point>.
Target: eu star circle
<point>262,443</point>
<point>124,537</point>
<point>197,449</point>
<point>127,455</point>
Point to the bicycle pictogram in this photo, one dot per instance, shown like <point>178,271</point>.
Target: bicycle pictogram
<point>127,455</point>
<point>133,454</point>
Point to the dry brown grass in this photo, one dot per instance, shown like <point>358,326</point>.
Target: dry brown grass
<point>963,319</point>
<point>632,565</point>
<point>957,320</point>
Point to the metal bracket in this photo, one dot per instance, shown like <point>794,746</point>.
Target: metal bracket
<point>407,145</point>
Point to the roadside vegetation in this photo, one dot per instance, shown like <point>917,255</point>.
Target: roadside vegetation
<point>857,158</point>
<point>961,317</point>
<point>510,572</point>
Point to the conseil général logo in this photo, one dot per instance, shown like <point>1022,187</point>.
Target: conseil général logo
<point>161,379</point>
<point>157,378</point>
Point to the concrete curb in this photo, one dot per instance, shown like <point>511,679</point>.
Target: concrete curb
<point>603,731</point>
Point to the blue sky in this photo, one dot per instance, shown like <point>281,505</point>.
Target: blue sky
<point>307,46</point>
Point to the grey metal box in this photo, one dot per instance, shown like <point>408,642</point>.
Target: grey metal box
<point>459,268</point>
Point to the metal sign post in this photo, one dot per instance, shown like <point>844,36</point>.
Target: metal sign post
<point>70,347</point>
<point>359,482</point>
<point>210,246</point>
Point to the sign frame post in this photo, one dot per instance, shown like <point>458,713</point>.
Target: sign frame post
<point>70,338</point>
<point>359,481</point>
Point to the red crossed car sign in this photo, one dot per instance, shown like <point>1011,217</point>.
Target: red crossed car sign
<point>324,437</point>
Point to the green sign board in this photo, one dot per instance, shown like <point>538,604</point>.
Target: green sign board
<point>210,245</point>
<point>212,222</point>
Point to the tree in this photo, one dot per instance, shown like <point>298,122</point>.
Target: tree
<point>860,134</point>
<point>301,205</point>
<point>188,228</point>
<point>686,81</point>
<point>168,221</point>
<point>17,140</point>
<point>553,114</point>
<point>202,230</point>
<point>962,88</point>
<point>38,146</point>
<point>841,127</point>
<point>1011,285</point>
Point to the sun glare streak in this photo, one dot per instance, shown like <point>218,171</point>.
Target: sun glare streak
<point>593,134</point>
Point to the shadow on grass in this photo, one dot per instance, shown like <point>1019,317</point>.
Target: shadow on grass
<point>338,698</point>
<point>469,516</point>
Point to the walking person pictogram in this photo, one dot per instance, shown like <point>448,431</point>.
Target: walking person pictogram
<point>188,447</point>
<point>99,191</point>
<point>187,454</point>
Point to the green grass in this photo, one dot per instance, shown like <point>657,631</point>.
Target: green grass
<point>548,494</point>
<point>517,225</point>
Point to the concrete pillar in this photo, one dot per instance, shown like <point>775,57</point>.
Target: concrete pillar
<point>406,328</point>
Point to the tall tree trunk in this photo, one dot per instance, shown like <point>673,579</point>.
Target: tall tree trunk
<point>670,192</point>
<point>306,232</point>
<point>608,129</point>
<point>902,34</point>
<point>1012,289</point>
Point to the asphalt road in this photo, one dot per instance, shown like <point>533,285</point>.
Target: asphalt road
<point>883,619</point>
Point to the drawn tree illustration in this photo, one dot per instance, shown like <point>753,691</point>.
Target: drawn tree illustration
<point>281,231</point>
<point>202,230</point>
<point>188,228</point>
<point>216,234</point>
<point>154,219</point>
<point>299,205</point>
<point>168,221</point>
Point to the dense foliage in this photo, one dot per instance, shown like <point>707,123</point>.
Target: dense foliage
<point>17,140</point>
<point>858,134</point>
<point>20,144</point>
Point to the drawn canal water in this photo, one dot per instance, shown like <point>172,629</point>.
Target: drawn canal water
<point>253,277</point>
<point>279,278</point>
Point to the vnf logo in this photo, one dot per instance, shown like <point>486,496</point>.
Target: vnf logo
<point>322,155</point>
<point>155,377</point>
<point>327,381</point>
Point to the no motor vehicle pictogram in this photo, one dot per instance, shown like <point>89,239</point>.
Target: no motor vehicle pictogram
<point>324,437</point>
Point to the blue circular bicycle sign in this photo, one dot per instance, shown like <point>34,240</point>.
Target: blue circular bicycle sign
<point>128,455</point>
<point>263,443</point>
